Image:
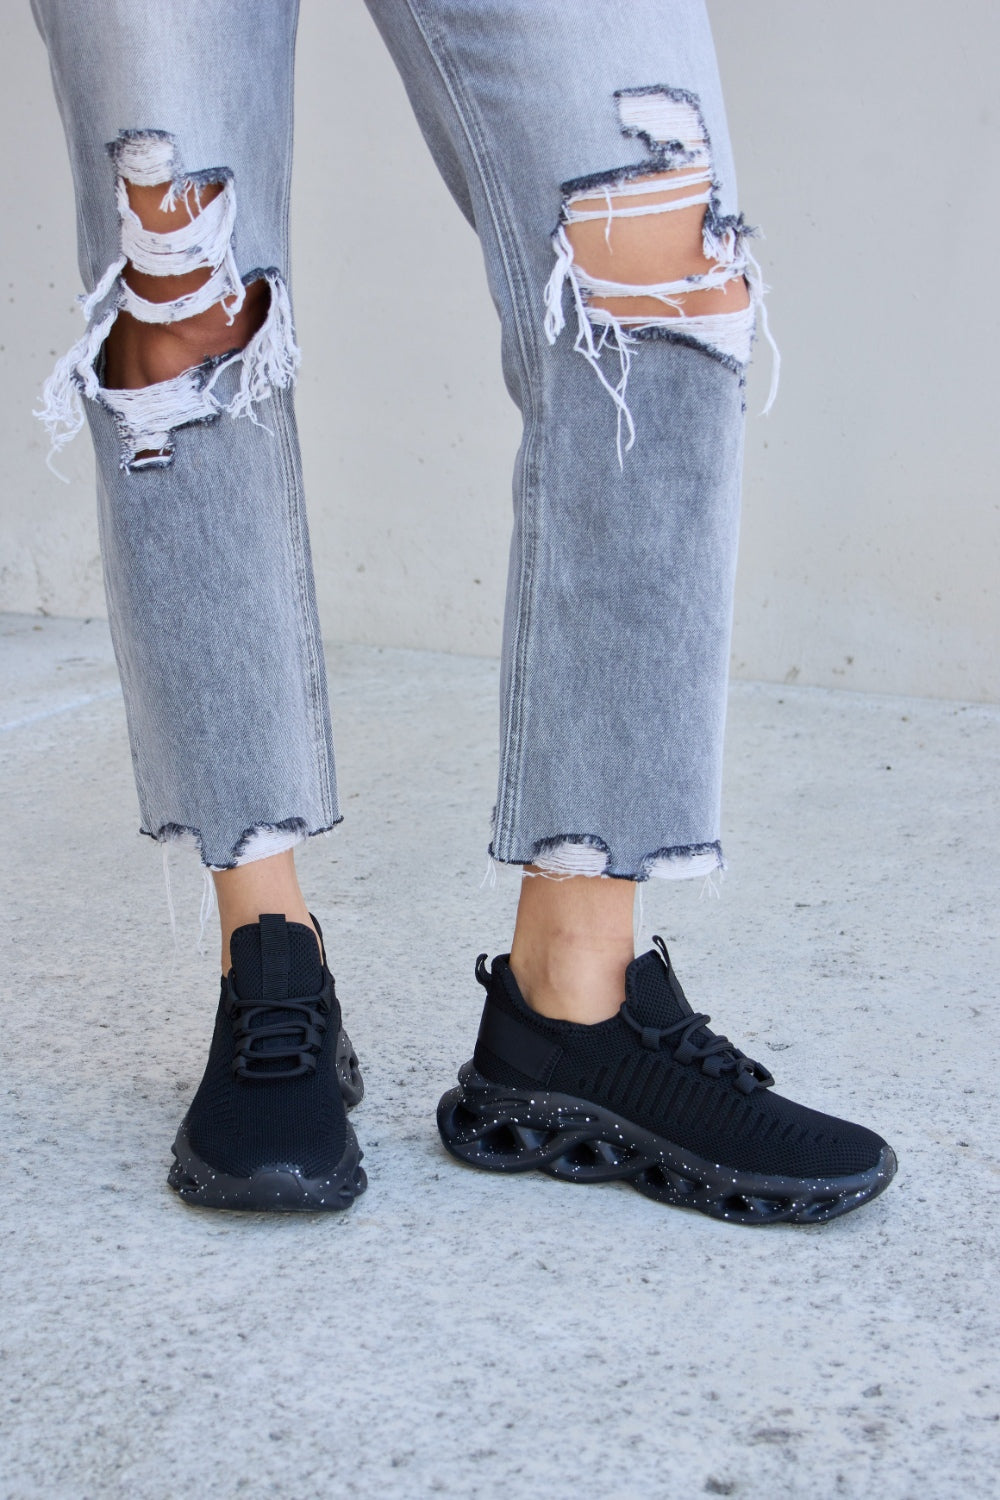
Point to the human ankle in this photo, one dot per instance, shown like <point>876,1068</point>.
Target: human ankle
<point>265,885</point>
<point>572,944</point>
<point>575,981</point>
<point>288,910</point>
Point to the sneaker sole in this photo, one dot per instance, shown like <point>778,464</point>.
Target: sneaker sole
<point>279,1187</point>
<point>501,1129</point>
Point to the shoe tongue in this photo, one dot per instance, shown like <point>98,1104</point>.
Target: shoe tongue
<point>274,960</point>
<point>653,991</point>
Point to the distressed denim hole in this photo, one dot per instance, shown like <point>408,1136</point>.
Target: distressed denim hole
<point>645,252</point>
<point>664,244</point>
<point>171,312</point>
<point>140,354</point>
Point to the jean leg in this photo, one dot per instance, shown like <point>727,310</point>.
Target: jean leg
<point>203,529</point>
<point>619,603</point>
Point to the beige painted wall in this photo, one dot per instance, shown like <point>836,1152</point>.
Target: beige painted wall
<point>866,138</point>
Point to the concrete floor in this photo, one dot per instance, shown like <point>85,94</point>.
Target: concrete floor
<point>457,1334</point>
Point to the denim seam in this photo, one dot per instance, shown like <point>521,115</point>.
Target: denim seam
<point>305,613</point>
<point>82,225</point>
<point>518,284</point>
<point>115,629</point>
<point>310,635</point>
<point>289,150</point>
<point>308,609</point>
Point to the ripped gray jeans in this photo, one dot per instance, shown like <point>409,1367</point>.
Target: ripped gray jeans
<point>565,132</point>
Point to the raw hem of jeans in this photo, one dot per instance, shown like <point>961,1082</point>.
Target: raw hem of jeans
<point>555,856</point>
<point>258,842</point>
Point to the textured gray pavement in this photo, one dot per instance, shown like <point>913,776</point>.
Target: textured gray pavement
<point>457,1334</point>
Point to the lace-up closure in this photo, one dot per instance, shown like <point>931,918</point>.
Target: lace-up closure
<point>717,1054</point>
<point>268,1036</point>
<point>651,1096</point>
<point>267,1128</point>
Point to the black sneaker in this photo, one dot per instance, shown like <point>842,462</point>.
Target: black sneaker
<point>268,1127</point>
<point>654,1097</point>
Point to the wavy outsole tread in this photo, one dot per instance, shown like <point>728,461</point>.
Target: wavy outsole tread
<point>352,1085</point>
<point>279,1187</point>
<point>502,1129</point>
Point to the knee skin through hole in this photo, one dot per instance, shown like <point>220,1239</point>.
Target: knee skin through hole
<point>139,354</point>
<point>646,249</point>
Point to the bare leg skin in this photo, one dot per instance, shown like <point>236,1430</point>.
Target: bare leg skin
<point>573,941</point>
<point>270,885</point>
<point>642,251</point>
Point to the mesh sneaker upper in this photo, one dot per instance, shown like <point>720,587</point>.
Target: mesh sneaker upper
<point>714,1117</point>
<point>240,1124</point>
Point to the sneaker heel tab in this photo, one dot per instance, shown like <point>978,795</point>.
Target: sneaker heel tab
<point>661,948</point>
<point>482,973</point>
<point>319,935</point>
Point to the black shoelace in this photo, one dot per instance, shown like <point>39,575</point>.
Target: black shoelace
<point>716,1054</point>
<point>300,1025</point>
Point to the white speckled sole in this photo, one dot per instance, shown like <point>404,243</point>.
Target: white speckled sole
<point>505,1129</point>
<point>276,1188</point>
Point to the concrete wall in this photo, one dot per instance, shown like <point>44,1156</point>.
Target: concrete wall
<point>866,140</point>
